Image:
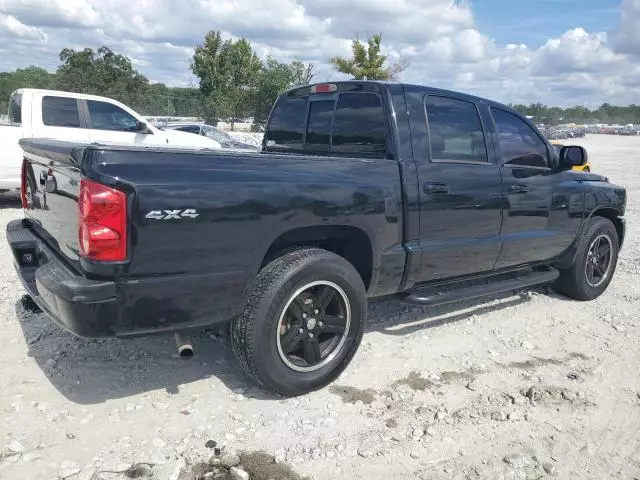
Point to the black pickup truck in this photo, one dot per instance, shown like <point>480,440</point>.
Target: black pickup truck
<point>360,190</point>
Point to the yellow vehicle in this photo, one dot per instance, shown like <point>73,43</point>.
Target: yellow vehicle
<point>582,168</point>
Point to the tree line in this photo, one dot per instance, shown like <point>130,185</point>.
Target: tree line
<point>605,113</point>
<point>235,83</point>
<point>103,72</point>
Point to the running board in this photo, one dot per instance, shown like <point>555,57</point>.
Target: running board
<point>430,295</point>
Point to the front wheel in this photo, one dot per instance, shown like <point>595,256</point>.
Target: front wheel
<point>595,262</point>
<point>303,322</point>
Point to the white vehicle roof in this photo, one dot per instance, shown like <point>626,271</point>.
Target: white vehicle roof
<point>60,93</point>
<point>81,96</point>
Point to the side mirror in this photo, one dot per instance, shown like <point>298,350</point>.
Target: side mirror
<point>572,156</point>
<point>142,127</point>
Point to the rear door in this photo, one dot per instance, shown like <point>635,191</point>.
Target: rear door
<point>528,190</point>
<point>460,206</point>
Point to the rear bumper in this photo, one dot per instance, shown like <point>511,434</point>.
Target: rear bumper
<point>87,308</point>
<point>129,307</point>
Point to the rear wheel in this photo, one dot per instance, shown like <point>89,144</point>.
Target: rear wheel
<point>595,262</point>
<point>303,322</point>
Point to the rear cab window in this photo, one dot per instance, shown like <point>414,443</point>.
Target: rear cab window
<point>60,112</point>
<point>15,109</point>
<point>343,123</point>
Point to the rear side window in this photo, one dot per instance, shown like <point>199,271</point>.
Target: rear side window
<point>455,130</point>
<point>106,116</point>
<point>15,108</point>
<point>286,126</point>
<point>359,125</point>
<point>60,112</point>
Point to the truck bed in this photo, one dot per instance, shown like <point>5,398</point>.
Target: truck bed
<point>201,224</point>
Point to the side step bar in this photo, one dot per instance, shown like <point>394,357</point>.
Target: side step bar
<point>430,295</point>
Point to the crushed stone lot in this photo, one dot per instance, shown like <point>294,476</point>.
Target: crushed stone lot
<point>529,386</point>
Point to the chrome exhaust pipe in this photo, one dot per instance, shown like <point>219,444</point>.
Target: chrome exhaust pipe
<point>185,349</point>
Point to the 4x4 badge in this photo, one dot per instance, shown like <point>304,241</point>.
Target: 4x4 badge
<point>172,214</point>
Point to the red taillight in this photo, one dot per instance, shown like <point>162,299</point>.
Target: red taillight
<point>23,184</point>
<point>324,88</point>
<point>103,222</point>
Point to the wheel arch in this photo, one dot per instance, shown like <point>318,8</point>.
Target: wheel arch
<point>351,243</point>
<point>610,213</point>
<point>614,215</point>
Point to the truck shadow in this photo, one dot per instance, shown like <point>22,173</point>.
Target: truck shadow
<point>91,371</point>
<point>94,371</point>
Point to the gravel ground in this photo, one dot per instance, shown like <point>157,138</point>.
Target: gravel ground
<point>521,387</point>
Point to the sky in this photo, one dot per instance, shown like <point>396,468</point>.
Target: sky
<point>559,52</point>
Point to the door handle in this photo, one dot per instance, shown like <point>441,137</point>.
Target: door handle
<point>518,189</point>
<point>436,188</point>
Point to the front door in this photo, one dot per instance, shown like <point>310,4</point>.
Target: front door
<point>460,197</point>
<point>108,123</point>
<point>528,192</point>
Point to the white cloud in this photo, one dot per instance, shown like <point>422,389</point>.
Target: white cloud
<point>440,38</point>
<point>578,51</point>
<point>627,37</point>
<point>13,29</point>
<point>56,13</point>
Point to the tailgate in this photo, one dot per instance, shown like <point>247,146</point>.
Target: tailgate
<point>52,171</point>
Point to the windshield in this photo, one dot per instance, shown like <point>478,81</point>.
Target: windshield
<point>217,135</point>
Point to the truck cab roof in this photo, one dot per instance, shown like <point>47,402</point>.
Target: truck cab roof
<point>404,85</point>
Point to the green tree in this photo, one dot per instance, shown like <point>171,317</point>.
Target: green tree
<point>368,63</point>
<point>301,73</point>
<point>229,73</point>
<point>274,78</point>
<point>30,77</point>
<point>102,72</point>
<point>208,62</point>
<point>242,67</point>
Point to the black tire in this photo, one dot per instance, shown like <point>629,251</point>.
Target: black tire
<point>573,281</point>
<point>253,335</point>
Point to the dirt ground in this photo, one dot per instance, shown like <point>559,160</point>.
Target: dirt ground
<point>521,387</point>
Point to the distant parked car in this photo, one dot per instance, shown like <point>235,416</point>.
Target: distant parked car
<point>79,118</point>
<point>223,138</point>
